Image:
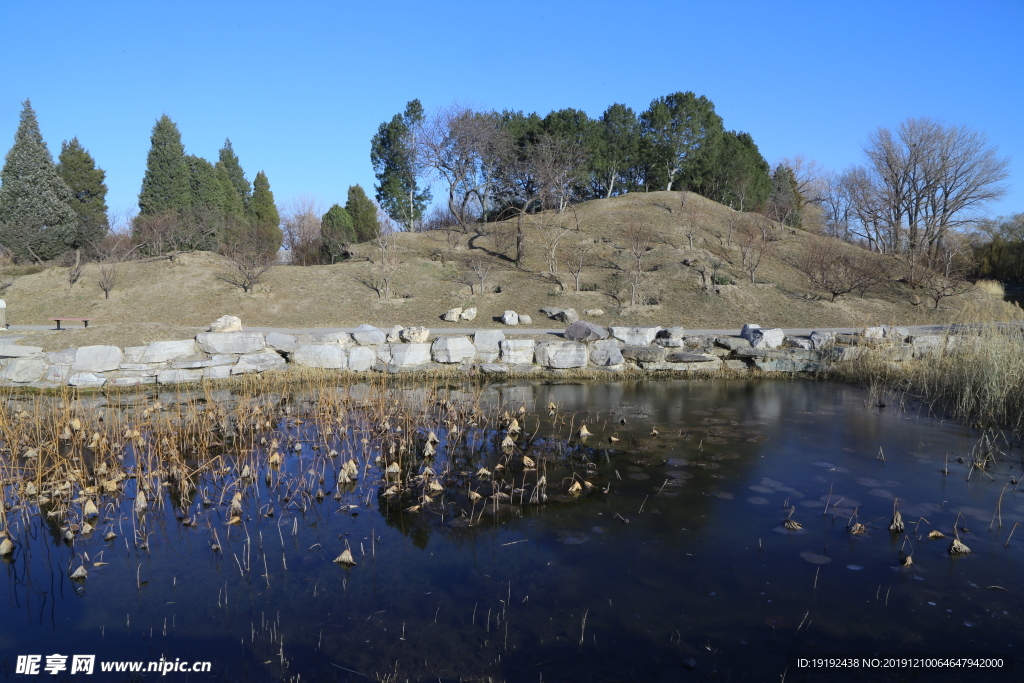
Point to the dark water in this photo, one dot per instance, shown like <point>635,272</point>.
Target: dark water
<point>681,571</point>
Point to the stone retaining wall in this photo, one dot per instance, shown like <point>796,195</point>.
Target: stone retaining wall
<point>219,355</point>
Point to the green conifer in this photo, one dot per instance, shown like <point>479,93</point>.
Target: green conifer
<point>363,213</point>
<point>37,220</point>
<point>266,220</point>
<point>236,175</point>
<point>88,192</point>
<point>165,187</point>
<point>336,233</point>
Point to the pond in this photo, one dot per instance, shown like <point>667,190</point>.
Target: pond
<point>656,549</point>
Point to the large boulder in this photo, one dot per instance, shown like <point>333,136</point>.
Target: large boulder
<point>732,343</point>
<point>672,333</point>
<point>822,340</point>
<point>510,318</point>
<point>86,380</point>
<point>330,356</point>
<point>226,323</point>
<point>569,315</point>
<point>231,342</point>
<point>258,362</point>
<point>410,354</point>
<point>332,337</point>
<point>517,351</point>
<point>525,319</point>
<point>23,370</point>
<point>561,354</point>
<point>644,354</point>
<point>763,339</point>
<point>686,357</point>
<point>488,345</point>
<point>179,376</point>
<point>368,335</point>
<point>415,335</point>
<point>468,314</point>
<point>160,351</point>
<point>361,359</point>
<point>15,351</point>
<point>97,359</point>
<point>605,352</point>
<point>395,335</point>
<point>635,336</point>
<point>452,315</point>
<point>452,350</point>
<point>281,342</point>
<point>551,311</point>
<point>583,331</point>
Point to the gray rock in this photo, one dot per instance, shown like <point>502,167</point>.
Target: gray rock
<point>361,359</point>
<point>517,351</point>
<point>452,315</point>
<point>415,335</point>
<point>510,318</point>
<point>219,372</point>
<point>488,345</point>
<point>736,365</point>
<point>231,342</point>
<point>179,376</point>
<point>684,357</point>
<point>874,332</point>
<point>848,353</point>
<point>410,354</point>
<point>282,342</point>
<point>383,353</point>
<point>670,343</point>
<point>215,361</point>
<point>897,334</point>
<point>15,351</point>
<point>143,368</point>
<point>766,339</point>
<point>550,311</point>
<point>583,331</point>
<point>605,352</point>
<point>732,343</point>
<point>822,340</point>
<point>65,357</point>
<point>133,354</point>
<point>330,356</point>
<point>57,373</point>
<point>747,329</point>
<point>86,380</point>
<point>332,337</point>
<point>568,315</point>
<point>525,320</point>
<point>160,351</point>
<point>226,323</point>
<point>368,335</point>
<point>561,354</point>
<point>672,333</point>
<point>635,336</point>
<point>469,313</point>
<point>644,354</point>
<point>97,359</point>
<point>926,344</point>
<point>787,365</point>
<point>395,335</point>
<point>452,350</point>
<point>798,342</point>
<point>130,380</point>
<point>594,312</point>
<point>258,362</point>
<point>493,368</point>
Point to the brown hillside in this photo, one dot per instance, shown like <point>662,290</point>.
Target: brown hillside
<point>186,292</point>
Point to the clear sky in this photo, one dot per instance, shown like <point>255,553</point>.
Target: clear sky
<point>300,88</point>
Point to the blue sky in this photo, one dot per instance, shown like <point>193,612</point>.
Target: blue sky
<point>301,88</point>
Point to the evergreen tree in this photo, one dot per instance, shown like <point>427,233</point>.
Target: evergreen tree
<point>206,194</point>
<point>676,129</point>
<point>614,157</point>
<point>166,186</point>
<point>336,233</point>
<point>36,216</point>
<point>232,203</point>
<point>266,220</point>
<point>734,173</point>
<point>229,160</point>
<point>363,213</point>
<point>88,191</point>
<point>785,201</point>
<point>393,154</point>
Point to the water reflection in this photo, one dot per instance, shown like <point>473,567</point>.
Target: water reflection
<point>675,562</point>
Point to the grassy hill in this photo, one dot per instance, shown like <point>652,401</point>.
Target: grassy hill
<point>160,298</point>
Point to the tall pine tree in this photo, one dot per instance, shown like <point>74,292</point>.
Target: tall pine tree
<point>363,213</point>
<point>393,154</point>
<point>166,186</point>
<point>229,160</point>
<point>37,220</point>
<point>88,191</point>
<point>266,234</point>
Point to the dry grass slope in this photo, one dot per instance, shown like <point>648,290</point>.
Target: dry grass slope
<point>435,275</point>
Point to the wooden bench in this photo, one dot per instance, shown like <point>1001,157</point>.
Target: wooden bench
<point>81,320</point>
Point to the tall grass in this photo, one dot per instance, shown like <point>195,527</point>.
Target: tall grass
<point>991,287</point>
<point>976,373</point>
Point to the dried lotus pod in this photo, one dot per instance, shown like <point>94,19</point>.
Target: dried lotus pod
<point>79,574</point>
<point>935,534</point>
<point>345,559</point>
<point>958,548</point>
<point>792,525</point>
<point>858,528</point>
<point>583,432</point>
<point>575,489</point>
<point>528,462</point>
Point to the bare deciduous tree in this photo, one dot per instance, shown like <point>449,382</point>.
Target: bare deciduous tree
<point>839,268</point>
<point>575,258</point>
<point>753,248</point>
<point>248,263</point>
<point>300,223</point>
<point>639,237</point>
<point>388,263</point>
<point>481,268</point>
<point>693,213</point>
